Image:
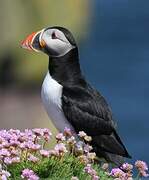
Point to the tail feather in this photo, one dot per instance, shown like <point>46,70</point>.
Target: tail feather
<point>119,140</point>
<point>110,147</point>
<point>116,159</point>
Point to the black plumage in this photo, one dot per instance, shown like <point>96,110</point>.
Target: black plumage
<point>86,109</point>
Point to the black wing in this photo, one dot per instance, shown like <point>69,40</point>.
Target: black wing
<point>88,111</point>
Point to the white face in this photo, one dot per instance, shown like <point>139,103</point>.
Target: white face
<point>55,42</point>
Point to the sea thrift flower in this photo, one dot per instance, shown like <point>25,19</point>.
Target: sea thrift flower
<point>14,142</point>
<point>60,148</point>
<point>142,168</point>
<point>14,131</point>
<point>33,158</point>
<point>38,131</point>
<point>71,141</point>
<point>15,159</point>
<point>60,137</point>
<point>44,153</point>
<point>4,175</point>
<point>89,170</point>
<point>4,152</point>
<point>127,167</point>
<point>4,144</point>
<point>79,148</point>
<point>29,135</point>
<point>46,134</point>
<point>87,148</point>
<point>82,134</point>
<point>67,132</point>
<point>29,175</point>
<point>118,173</point>
<point>30,145</point>
<point>88,138</point>
<point>83,159</point>
<point>95,177</point>
<point>14,152</point>
<point>8,160</point>
<point>91,156</point>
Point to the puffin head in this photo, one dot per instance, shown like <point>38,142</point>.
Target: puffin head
<point>54,41</point>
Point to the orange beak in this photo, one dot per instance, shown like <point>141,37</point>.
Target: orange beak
<point>27,43</point>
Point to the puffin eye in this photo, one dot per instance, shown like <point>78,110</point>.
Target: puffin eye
<point>54,35</point>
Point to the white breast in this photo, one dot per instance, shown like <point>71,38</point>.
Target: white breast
<point>51,94</point>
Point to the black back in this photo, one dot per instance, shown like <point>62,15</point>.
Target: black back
<point>83,106</point>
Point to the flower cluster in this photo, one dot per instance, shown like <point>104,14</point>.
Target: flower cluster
<point>31,148</point>
<point>4,174</point>
<point>28,174</point>
<point>89,170</point>
<point>17,146</point>
<point>125,171</point>
<point>142,168</point>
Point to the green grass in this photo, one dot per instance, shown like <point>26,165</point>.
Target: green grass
<point>56,168</point>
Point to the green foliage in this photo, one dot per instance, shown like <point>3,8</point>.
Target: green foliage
<point>55,168</point>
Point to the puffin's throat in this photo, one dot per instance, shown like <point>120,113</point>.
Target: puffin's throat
<point>66,69</point>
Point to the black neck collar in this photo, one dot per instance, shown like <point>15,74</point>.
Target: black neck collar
<point>66,69</point>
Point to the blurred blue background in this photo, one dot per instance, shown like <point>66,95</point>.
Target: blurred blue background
<point>115,58</point>
<point>113,38</point>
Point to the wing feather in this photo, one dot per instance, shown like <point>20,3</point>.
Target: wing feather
<point>87,110</point>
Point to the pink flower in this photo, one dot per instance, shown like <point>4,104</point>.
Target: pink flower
<point>30,145</point>
<point>29,175</point>
<point>89,170</point>
<point>117,173</point>
<point>67,132</point>
<point>46,134</point>
<point>33,158</point>
<point>95,177</point>
<point>8,160</point>
<point>38,131</point>
<point>44,153</point>
<point>4,152</point>
<point>142,168</point>
<point>60,137</point>
<point>14,131</point>
<point>14,142</point>
<point>91,156</point>
<point>29,135</point>
<point>23,145</point>
<point>141,165</point>
<point>15,152</point>
<point>127,167</point>
<point>5,144</point>
<point>60,148</point>
<point>87,148</point>
<point>5,175</point>
<point>15,159</point>
<point>71,140</point>
<point>82,134</point>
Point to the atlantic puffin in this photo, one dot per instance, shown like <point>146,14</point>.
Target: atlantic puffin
<point>69,99</point>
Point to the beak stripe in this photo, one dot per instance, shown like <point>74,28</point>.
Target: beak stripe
<point>27,43</point>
